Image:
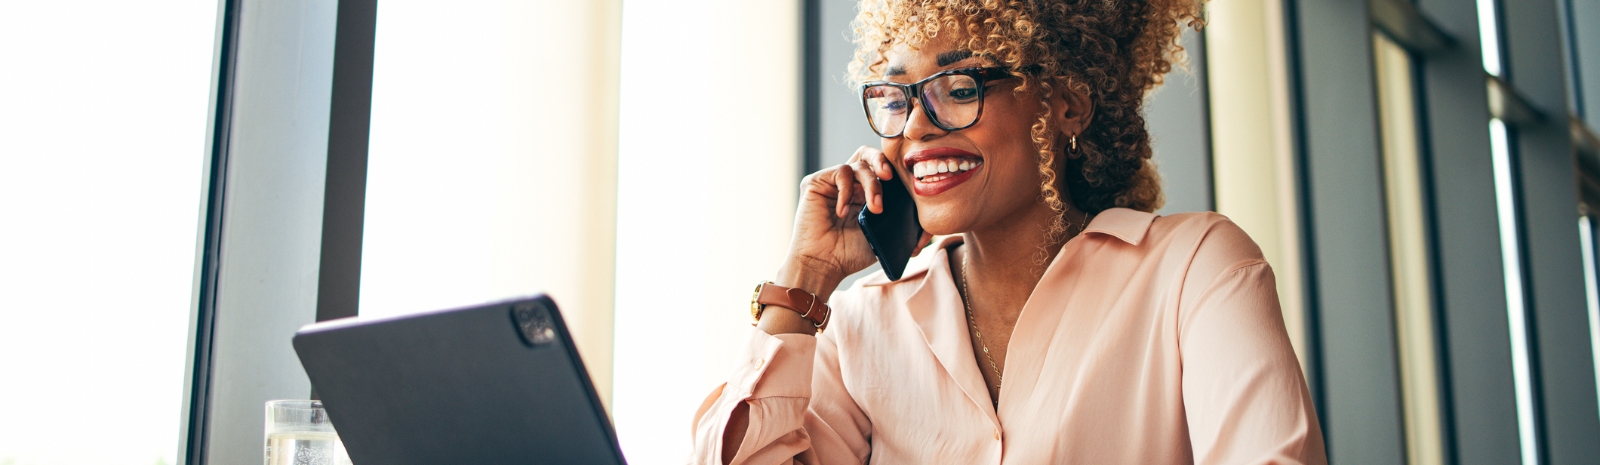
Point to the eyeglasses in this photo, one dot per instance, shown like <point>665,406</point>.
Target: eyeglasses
<point>951,99</point>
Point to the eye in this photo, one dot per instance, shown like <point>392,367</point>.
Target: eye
<point>895,106</point>
<point>964,94</point>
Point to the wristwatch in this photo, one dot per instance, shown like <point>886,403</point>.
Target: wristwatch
<point>802,302</point>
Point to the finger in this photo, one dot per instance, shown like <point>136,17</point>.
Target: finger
<point>878,161</point>
<point>845,181</point>
<point>922,243</point>
<point>860,154</point>
<point>873,189</point>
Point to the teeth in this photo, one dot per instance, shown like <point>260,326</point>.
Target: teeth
<point>934,168</point>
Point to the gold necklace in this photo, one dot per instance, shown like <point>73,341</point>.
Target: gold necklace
<point>966,303</point>
<point>999,378</point>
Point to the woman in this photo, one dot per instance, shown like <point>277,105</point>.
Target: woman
<point>1055,320</point>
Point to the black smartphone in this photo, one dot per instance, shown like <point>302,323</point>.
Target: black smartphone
<point>894,233</point>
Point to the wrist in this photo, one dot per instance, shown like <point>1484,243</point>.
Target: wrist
<point>783,320</point>
<point>796,273</point>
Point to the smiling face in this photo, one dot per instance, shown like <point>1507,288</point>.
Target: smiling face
<point>974,178</point>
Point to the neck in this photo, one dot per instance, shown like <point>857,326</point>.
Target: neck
<point>1005,258</point>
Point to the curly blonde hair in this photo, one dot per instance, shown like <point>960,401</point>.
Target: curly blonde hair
<point>1114,51</point>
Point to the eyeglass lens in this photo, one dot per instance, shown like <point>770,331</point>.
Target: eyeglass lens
<point>954,100</point>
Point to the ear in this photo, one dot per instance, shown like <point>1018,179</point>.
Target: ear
<point>1072,110</point>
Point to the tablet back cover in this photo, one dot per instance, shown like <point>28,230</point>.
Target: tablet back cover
<point>463,386</point>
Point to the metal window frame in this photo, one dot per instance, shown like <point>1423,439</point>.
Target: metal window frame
<point>1582,29</point>
<point>811,43</point>
<point>1419,50</point>
<point>1483,418</point>
<point>197,396</point>
<point>1482,423</point>
<point>1407,26</point>
<point>280,234</point>
<point>1350,300</point>
<point>1543,151</point>
<point>345,190</point>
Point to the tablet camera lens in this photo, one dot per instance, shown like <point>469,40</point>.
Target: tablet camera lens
<point>534,323</point>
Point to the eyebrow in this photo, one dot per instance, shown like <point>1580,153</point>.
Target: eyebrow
<point>942,60</point>
<point>946,58</point>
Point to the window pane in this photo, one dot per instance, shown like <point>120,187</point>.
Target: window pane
<point>1408,253</point>
<point>1591,284</point>
<point>102,144</point>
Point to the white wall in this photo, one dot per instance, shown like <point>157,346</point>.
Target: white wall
<point>707,178</point>
<point>492,166</point>
<point>492,173</point>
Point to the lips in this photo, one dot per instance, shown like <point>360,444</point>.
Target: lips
<point>940,169</point>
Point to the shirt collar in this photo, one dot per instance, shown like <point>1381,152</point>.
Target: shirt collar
<point>917,268</point>
<point>1126,224</point>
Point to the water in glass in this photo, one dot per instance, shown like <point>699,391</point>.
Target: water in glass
<point>305,448</point>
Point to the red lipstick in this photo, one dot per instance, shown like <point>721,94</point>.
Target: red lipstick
<point>940,169</point>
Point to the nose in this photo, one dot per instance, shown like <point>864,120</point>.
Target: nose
<point>919,126</point>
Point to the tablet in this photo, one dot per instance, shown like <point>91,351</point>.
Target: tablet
<point>499,383</point>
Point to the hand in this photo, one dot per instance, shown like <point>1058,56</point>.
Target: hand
<point>828,244</point>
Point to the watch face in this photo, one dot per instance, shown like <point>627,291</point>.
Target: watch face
<point>755,307</point>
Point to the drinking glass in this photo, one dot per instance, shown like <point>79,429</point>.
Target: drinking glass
<point>299,433</point>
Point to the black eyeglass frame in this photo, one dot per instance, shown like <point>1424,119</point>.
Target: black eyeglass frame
<point>981,76</point>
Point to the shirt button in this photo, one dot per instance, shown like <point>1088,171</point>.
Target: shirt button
<point>760,361</point>
<point>997,435</point>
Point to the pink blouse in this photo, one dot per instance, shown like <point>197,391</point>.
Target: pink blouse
<point>1149,340</point>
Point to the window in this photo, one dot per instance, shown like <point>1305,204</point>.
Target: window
<point>1409,260</point>
<point>1591,283</point>
<point>102,150</point>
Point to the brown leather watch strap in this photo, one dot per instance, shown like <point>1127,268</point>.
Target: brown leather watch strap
<point>802,302</point>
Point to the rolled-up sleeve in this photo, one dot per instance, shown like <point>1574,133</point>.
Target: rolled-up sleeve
<point>1243,390</point>
<point>799,410</point>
